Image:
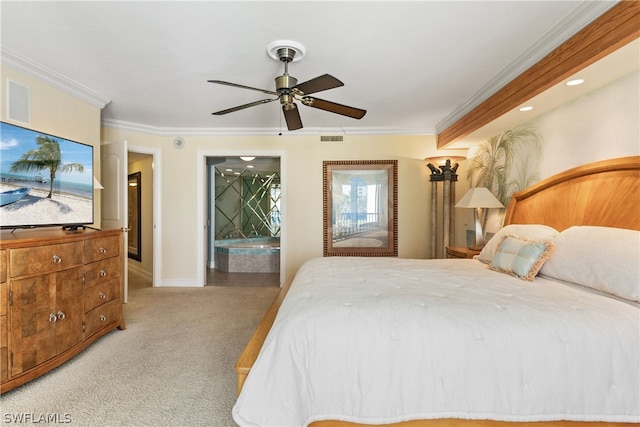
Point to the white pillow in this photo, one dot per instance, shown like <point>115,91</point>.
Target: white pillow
<point>603,258</point>
<point>537,232</point>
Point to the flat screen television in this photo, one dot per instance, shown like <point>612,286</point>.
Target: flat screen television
<point>45,180</point>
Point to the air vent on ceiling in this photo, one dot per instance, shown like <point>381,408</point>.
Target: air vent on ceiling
<point>331,138</point>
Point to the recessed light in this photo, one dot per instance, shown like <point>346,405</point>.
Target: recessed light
<point>575,82</point>
<point>229,170</point>
<point>250,166</point>
<point>527,108</point>
<point>247,159</point>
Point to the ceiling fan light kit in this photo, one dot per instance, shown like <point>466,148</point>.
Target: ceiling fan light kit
<point>288,90</point>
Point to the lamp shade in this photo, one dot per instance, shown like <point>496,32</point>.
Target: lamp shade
<point>479,197</point>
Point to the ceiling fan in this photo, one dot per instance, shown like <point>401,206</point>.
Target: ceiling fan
<point>288,90</point>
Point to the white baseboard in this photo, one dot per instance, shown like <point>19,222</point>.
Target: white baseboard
<point>140,272</point>
<point>180,283</point>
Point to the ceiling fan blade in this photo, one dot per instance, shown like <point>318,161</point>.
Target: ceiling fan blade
<point>318,84</point>
<point>292,117</point>
<point>221,82</point>
<point>334,107</point>
<point>242,107</point>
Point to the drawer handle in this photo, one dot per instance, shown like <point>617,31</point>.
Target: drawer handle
<point>103,318</point>
<point>102,250</point>
<point>103,273</point>
<point>57,259</point>
<point>102,295</point>
<point>61,315</point>
<point>53,318</point>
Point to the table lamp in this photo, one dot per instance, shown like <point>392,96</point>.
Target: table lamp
<point>478,198</point>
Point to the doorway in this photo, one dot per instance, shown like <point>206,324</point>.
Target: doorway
<point>140,219</point>
<point>143,253</point>
<point>114,156</point>
<point>243,217</point>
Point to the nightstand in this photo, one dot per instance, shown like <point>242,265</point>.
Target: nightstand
<point>460,252</point>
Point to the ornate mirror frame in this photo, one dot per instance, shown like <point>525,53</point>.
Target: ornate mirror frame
<point>360,215</point>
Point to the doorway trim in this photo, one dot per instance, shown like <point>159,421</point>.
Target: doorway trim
<point>201,209</point>
<point>155,153</point>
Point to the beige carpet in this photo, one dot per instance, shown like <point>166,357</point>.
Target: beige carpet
<point>172,366</point>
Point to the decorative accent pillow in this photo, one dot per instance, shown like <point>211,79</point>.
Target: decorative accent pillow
<point>603,258</point>
<point>520,257</point>
<point>537,232</point>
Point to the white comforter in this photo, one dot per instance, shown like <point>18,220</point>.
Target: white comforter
<point>382,340</point>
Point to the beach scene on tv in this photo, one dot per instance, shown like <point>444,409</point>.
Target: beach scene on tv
<point>44,179</point>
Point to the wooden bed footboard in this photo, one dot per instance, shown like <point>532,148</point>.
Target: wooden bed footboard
<point>250,353</point>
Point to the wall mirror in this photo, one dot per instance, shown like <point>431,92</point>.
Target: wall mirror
<point>360,215</point>
<point>135,217</point>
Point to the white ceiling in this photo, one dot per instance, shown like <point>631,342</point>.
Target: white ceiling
<point>415,66</point>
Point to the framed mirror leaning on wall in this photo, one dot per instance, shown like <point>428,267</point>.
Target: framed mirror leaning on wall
<point>135,216</point>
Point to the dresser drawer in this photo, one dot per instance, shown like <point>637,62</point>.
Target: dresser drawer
<point>101,248</point>
<point>3,331</point>
<point>100,294</point>
<point>4,298</point>
<point>101,271</point>
<point>4,364</point>
<point>45,259</point>
<point>3,266</point>
<point>101,316</point>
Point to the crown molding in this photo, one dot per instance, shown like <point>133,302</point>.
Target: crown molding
<point>57,80</point>
<point>582,15</point>
<point>172,131</point>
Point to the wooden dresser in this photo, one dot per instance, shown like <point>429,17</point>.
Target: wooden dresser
<point>59,292</point>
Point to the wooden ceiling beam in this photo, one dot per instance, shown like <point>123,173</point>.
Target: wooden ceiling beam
<point>612,30</point>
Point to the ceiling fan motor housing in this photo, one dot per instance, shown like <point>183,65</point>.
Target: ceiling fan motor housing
<point>285,82</point>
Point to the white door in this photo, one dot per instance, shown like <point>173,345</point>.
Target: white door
<point>115,215</point>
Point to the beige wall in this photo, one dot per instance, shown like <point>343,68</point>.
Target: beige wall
<point>302,181</point>
<point>603,124</point>
<point>58,113</point>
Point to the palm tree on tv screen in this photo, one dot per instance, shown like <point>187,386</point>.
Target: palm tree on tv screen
<point>46,156</point>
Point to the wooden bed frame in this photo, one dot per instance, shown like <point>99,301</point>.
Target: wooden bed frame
<point>604,193</point>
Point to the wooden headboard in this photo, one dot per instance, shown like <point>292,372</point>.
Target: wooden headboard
<point>604,193</point>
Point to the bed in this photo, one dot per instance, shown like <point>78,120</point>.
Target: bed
<point>549,335</point>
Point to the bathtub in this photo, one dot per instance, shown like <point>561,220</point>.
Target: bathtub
<point>254,255</point>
